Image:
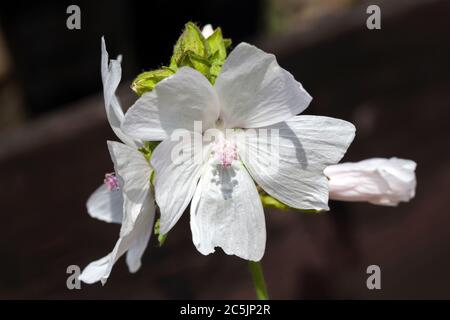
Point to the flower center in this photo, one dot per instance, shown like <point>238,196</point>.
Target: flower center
<point>111,181</point>
<point>225,152</point>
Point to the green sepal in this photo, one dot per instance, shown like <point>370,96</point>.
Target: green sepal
<point>271,202</point>
<point>152,177</point>
<point>227,43</point>
<point>190,40</point>
<point>146,81</point>
<point>147,149</point>
<point>193,60</point>
<point>161,237</point>
<point>309,210</point>
<point>147,153</point>
<point>216,45</point>
<point>218,53</point>
<point>151,145</point>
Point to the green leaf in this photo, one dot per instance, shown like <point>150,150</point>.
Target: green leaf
<point>146,81</point>
<point>190,40</point>
<point>161,237</point>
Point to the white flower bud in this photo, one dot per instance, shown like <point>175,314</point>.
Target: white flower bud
<point>378,181</point>
<point>207,31</point>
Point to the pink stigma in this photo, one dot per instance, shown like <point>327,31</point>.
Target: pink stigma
<point>111,181</point>
<point>225,153</point>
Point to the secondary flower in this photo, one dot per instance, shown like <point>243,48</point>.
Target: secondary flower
<point>379,181</point>
<point>252,91</point>
<point>125,197</point>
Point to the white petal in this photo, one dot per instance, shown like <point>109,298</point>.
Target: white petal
<point>293,173</point>
<point>96,270</point>
<point>378,181</point>
<point>226,212</point>
<point>207,31</point>
<point>175,181</point>
<point>133,172</point>
<point>111,75</point>
<point>254,91</point>
<point>139,242</point>
<point>106,205</point>
<point>175,103</point>
<point>134,242</point>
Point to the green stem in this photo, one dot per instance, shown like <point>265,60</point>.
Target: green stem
<point>258,280</point>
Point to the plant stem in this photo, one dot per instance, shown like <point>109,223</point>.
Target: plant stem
<point>258,280</point>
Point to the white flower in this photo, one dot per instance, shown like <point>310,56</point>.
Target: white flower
<point>378,181</point>
<point>252,91</point>
<point>125,197</point>
<point>207,31</point>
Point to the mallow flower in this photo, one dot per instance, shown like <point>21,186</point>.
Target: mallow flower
<point>125,197</point>
<point>251,96</point>
<point>379,181</point>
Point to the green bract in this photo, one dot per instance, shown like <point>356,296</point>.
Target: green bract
<point>206,55</point>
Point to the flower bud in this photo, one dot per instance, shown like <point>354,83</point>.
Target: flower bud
<point>378,181</point>
<point>146,81</point>
<point>191,40</point>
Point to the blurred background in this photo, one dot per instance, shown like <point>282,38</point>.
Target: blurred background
<point>393,84</point>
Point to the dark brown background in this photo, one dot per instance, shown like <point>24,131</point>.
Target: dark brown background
<point>392,83</point>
